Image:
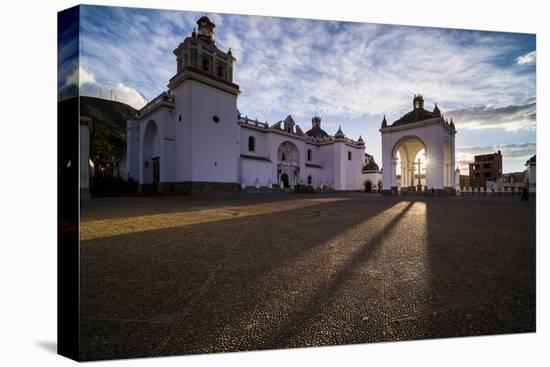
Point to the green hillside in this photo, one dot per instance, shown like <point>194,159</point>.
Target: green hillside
<point>108,140</point>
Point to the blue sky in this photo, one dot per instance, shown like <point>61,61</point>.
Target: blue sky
<point>350,74</point>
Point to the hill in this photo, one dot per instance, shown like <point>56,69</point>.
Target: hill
<point>108,140</point>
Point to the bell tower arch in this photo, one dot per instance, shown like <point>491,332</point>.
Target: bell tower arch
<point>404,140</point>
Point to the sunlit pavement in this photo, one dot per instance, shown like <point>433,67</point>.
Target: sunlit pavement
<point>182,275</point>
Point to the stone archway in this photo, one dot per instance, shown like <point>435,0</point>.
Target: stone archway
<point>288,163</point>
<point>409,162</point>
<point>151,154</point>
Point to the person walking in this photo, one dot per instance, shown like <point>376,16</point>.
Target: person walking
<point>524,194</point>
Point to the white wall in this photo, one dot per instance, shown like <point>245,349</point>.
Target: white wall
<point>207,151</point>
<point>347,173</point>
<point>253,169</point>
<point>261,148</point>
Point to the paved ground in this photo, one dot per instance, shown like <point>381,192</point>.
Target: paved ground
<point>181,275</point>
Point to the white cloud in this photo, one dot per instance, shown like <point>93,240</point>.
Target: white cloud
<point>510,118</point>
<point>305,67</point>
<point>117,92</point>
<point>79,77</point>
<point>366,68</point>
<point>527,59</point>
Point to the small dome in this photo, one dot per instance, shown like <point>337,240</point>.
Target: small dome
<point>206,29</point>
<point>204,20</point>
<point>339,133</point>
<point>371,166</point>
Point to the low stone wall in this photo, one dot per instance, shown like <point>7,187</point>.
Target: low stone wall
<point>414,191</point>
<point>485,192</point>
<point>303,189</point>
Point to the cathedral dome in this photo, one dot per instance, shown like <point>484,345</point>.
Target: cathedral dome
<point>316,131</point>
<point>418,113</point>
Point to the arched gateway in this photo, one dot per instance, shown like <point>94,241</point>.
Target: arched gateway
<point>419,152</point>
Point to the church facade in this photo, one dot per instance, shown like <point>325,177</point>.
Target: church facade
<point>192,137</point>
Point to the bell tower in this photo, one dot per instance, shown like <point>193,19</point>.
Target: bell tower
<point>418,102</point>
<point>206,109</point>
<point>200,53</point>
<point>316,122</point>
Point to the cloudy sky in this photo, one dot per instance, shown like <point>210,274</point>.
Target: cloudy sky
<point>350,74</point>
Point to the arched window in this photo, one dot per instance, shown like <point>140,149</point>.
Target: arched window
<point>309,154</point>
<point>205,64</point>
<point>251,144</point>
<point>221,71</point>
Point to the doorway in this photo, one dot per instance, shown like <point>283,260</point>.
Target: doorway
<point>284,180</point>
<point>156,173</point>
<point>368,186</point>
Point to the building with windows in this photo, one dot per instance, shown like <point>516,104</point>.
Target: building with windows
<point>486,167</point>
<point>464,181</point>
<point>193,138</point>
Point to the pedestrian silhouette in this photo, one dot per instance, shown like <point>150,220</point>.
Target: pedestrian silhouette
<point>524,194</point>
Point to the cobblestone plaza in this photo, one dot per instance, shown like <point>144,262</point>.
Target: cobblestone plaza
<point>201,274</point>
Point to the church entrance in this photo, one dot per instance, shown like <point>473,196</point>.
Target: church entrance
<point>156,173</point>
<point>368,186</point>
<point>151,156</point>
<point>288,167</point>
<point>284,180</point>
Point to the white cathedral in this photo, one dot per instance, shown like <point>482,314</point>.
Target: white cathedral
<point>193,138</point>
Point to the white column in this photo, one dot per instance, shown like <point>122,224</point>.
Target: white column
<point>393,173</point>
